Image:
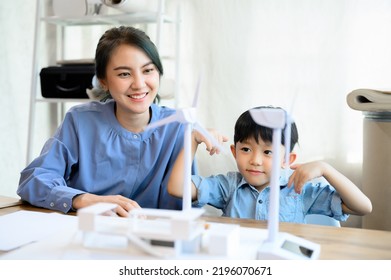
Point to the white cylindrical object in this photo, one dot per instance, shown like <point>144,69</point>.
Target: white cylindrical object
<point>186,200</point>
<point>377,169</point>
<point>274,206</point>
<point>132,6</point>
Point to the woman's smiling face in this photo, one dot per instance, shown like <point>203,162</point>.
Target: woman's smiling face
<point>132,79</point>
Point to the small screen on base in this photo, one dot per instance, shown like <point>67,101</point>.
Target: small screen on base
<point>297,249</point>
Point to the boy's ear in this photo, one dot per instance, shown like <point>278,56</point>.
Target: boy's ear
<point>233,150</point>
<point>292,158</point>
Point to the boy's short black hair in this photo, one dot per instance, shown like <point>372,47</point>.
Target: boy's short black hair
<point>246,128</point>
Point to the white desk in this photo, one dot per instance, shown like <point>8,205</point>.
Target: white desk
<point>336,243</point>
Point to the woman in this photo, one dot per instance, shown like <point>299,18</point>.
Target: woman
<point>100,152</point>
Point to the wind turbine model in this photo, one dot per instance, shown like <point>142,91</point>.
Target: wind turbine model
<point>280,245</point>
<point>187,116</point>
<point>182,229</point>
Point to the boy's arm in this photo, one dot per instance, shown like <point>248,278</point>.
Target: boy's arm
<point>354,201</point>
<point>175,182</point>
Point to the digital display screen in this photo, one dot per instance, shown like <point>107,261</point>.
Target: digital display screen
<point>162,243</point>
<point>297,249</point>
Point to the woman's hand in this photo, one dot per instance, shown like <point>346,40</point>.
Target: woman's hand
<point>124,204</point>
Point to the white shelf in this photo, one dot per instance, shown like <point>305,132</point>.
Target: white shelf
<point>61,100</point>
<point>116,19</point>
<point>159,18</point>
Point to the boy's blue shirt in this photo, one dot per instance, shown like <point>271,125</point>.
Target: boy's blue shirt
<point>237,199</point>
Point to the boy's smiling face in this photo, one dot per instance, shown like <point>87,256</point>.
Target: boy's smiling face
<point>254,161</point>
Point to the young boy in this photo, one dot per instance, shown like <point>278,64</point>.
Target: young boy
<point>312,188</point>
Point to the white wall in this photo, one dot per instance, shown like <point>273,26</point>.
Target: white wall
<point>303,55</point>
<point>17,32</point>
<point>17,28</point>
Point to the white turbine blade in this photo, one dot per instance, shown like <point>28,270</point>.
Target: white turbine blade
<point>295,95</point>
<point>203,131</point>
<point>287,135</point>
<point>187,115</point>
<point>186,199</point>
<point>270,117</point>
<point>173,118</point>
<point>197,91</point>
<point>289,120</point>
